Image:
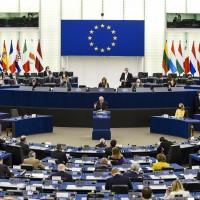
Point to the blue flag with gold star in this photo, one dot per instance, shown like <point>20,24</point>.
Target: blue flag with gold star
<point>102,37</point>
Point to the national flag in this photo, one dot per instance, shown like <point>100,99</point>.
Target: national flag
<point>172,62</point>
<point>179,59</point>
<point>198,59</point>
<point>25,59</point>
<point>4,60</point>
<point>12,59</point>
<point>18,58</point>
<point>31,57</point>
<point>165,62</point>
<point>193,60</point>
<point>102,37</point>
<point>1,69</point>
<point>186,59</point>
<point>38,63</point>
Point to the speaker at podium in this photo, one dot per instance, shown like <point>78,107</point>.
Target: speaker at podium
<point>101,125</point>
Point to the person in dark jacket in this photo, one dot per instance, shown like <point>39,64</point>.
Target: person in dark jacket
<point>4,170</point>
<point>117,179</point>
<point>104,165</point>
<point>59,155</point>
<point>164,146</point>
<point>102,143</point>
<point>24,145</point>
<point>108,150</point>
<point>63,174</point>
<point>134,172</point>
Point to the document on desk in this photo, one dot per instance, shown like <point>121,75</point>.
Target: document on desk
<point>139,161</point>
<point>37,148</point>
<point>87,151</point>
<point>189,176</point>
<point>97,177</point>
<point>90,169</point>
<point>85,162</point>
<point>185,146</point>
<point>139,150</point>
<point>153,187</point>
<point>12,185</point>
<point>171,176</point>
<point>74,187</point>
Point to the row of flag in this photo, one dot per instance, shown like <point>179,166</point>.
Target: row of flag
<point>179,61</point>
<point>15,62</point>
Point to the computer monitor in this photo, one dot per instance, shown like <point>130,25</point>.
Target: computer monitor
<point>142,74</point>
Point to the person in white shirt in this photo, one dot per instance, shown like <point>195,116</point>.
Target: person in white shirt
<point>176,189</point>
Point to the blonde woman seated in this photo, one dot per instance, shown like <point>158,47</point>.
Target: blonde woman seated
<point>116,155</point>
<point>180,112</point>
<point>161,162</point>
<point>104,83</point>
<point>176,189</point>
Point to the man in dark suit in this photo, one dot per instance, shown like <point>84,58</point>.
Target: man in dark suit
<point>117,179</point>
<point>64,74</point>
<point>134,172</point>
<point>197,103</point>
<point>102,143</point>
<point>164,146</point>
<point>4,171</point>
<point>59,155</point>
<point>63,174</point>
<point>126,78</point>
<point>24,145</point>
<point>50,78</point>
<point>108,150</point>
<point>101,104</point>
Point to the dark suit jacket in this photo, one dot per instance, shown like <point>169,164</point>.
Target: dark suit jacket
<point>34,86</point>
<point>59,155</point>
<point>118,180</point>
<point>66,74</point>
<point>45,73</point>
<point>108,151</point>
<point>5,172</point>
<point>64,176</point>
<point>103,107</point>
<point>101,145</point>
<point>25,148</point>
<point>164,145</point>
<point>102,85</point>
<point>128,79</point>
<point>131,174</point>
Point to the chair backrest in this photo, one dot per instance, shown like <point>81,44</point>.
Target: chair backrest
<point>142,74</point>
<point>16,152</point>
<point>56,74</point>
<point>27,167</point>
<point>34,74</point>
<point>82,86</point>
<point>168,168</point>
<point>192,187</point>
<point>174,154</point>
<point>41,74</point>
<point>120,189</point>
<point>114,162</point>
<point>14,113</point>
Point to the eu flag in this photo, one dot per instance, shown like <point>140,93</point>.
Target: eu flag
<point>102,37</point>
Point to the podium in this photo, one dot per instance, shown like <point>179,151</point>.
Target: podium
<point>101,125</point>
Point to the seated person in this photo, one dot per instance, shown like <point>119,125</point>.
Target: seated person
<point>146,193</point>
<point>104,83</point>
<point>176,189</point>
<point>189,80</point>
<point>24,145</point>
<point>180,112</point>
<point>47,71</point>
<point>64,73</point>
<point>161,162</point>
<point>108,150</point>
<point>33,161</point>
<point>65,83</point>
<point>66,177</point>
<point>13,79</point>
<point>1,78</point>
<point>126,78</point>
<point>197,103</point>
<point>104,165</point>
<point>34,83</point>
<point>134,172</point>
<point>59,155</point>
<point>101,104</point>
<point>50,78</point>
<point>171,82</point>
<point>117,179</point>
<point>4,170</point>
<point>116,155</point>
<point>164,146</point>
<point>102,143</point>
<point>137,84</point>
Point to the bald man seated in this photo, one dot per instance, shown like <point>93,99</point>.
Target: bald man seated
<point>117,179</point>
<point>101,104</point>
<point>66,177</point>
